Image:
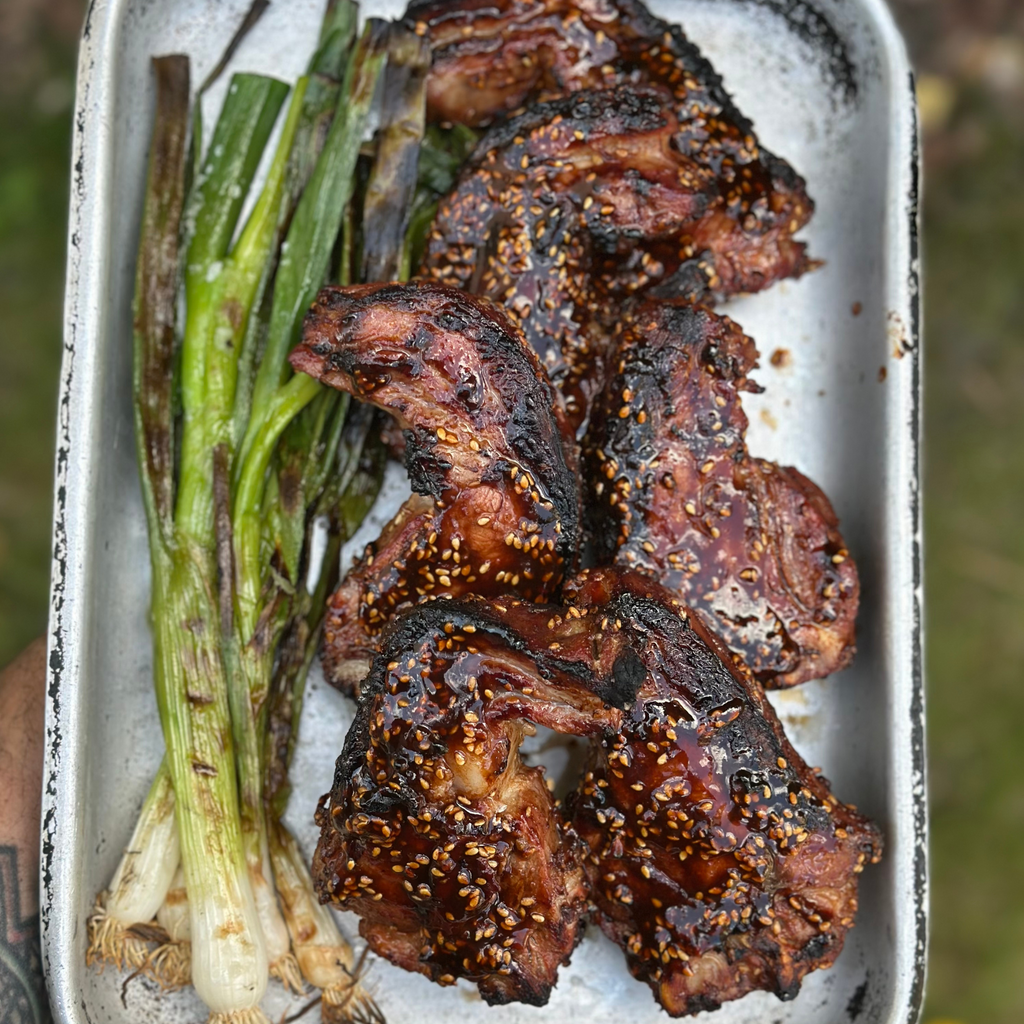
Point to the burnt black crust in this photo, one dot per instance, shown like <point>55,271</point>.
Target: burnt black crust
<point>425,467</point>
<point>621,110</point>
<point>646,369</point>
<point>628,675</point>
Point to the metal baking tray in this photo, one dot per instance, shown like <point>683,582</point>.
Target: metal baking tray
<point>828,85</point>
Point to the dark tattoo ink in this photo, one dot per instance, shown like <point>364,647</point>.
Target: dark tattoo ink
<point>22,990</point>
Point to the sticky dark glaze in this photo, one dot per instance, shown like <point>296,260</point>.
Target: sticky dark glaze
<point>497,502</point>
<point>716,858</point>
<point>720,862</point>
<point>447,846</point>
<point>492,56</point>
<point>753,546</point>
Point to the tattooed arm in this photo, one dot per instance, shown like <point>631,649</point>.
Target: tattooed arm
<point>22,689</point>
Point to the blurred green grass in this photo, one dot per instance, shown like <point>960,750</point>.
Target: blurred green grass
<point>35,140</point>
<point>974,486</point>
<point>974,511</point>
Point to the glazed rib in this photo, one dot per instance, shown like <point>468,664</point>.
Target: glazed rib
<point>720,862</point>
<point>446,845</point>
<point>492,56</point>
<point>579,203</point>
<point>549,196</point>
<point>753,546</point>
<point>496,506</point>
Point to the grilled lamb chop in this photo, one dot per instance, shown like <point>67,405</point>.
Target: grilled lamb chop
<point>717,859</point>
<point>573,206</point>
<point>447,846</point>
<point>496,506</point>
<point>720,862</point>
<point>753,546</point>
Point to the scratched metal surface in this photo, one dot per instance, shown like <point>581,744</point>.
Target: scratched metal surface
<point>828,86</point>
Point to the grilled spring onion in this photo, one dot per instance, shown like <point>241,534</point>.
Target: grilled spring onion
<point>139,886</point>
<point>148,865</point>
<point>249,638</point>
<point>324,957</point>
<point>238,281</point>
<point>441,154</point>
<point>229,967</point>
<point>255,612</point>
<point>115,935</point>
<point>389,195</point>
<point>229,959</point>
<point>264,454</point>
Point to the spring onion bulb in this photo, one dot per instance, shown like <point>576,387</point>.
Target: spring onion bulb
<point>282,963</point>
<point>326,959</point>
<point>140,883</point>
<point>147,867</point>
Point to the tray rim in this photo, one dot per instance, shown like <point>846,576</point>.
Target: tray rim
<point>88,232</point>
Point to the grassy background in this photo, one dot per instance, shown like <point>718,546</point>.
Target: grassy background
<point>970,54</point>
<point>36,91</point>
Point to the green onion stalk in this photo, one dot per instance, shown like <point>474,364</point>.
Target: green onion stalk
<point>148,865</point>
<point>325,958</point>
<point>229,954</point>
<point>388,204</point>
<point>229,301</point>
<point>262,574</point>
<point>441,155</point>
